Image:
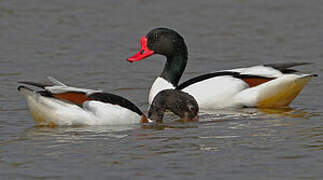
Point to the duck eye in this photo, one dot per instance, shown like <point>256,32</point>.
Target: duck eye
<point>156,36</point>
<point>191,108</point>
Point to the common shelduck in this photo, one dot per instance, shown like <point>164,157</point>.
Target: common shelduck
<point>59,104</point>
<point>262,86</point>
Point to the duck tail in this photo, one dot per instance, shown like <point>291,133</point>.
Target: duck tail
<point>282,91</point>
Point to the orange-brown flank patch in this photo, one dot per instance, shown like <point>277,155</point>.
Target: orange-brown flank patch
<point>252,82</point>
<point>144,119</point>
<point>77,98</point>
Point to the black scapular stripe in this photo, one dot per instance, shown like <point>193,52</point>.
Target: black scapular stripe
<point>215,74</point>
<point>116,100</point>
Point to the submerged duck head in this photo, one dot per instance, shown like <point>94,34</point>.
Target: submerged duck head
<point>180,103</point>
<point>161,41</point>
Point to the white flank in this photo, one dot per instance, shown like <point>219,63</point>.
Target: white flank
<point>109,114</point>
<point>159,85</point>
<point>216,92</point>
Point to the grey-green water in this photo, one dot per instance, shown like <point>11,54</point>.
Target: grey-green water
<point>86,43</point>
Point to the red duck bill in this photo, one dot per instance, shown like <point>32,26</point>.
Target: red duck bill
<point>143,52</point>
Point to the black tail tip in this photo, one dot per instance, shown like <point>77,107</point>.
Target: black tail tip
<point>23,87</point>
<point>20,87</point>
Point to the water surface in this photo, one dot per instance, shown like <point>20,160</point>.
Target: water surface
<point>86,43</point>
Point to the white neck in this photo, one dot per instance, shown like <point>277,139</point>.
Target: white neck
<point>159,85</point>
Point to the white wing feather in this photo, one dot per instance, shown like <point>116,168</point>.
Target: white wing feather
<point>264,71</point>
<point>60,87</point>
<point>55,81</point>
